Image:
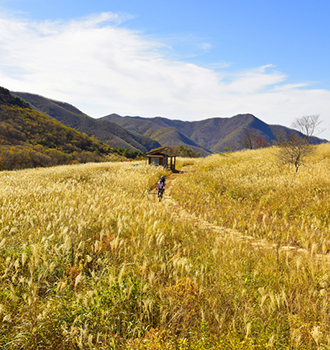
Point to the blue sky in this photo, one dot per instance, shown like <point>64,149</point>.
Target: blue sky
<point>188,60</point>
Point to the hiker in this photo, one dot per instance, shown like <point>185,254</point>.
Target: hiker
<point>161,185</point>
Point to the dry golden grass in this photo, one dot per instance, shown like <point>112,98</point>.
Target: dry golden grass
<point>90,260</point>
<point>250,192</point>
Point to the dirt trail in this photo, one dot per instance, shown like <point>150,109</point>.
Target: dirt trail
<point>198,221</point>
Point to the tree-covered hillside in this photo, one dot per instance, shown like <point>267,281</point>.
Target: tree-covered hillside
<point>106,131</point>
<point>7,99</point>
<point>30,139</point>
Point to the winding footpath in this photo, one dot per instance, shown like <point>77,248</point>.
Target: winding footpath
<point>172,206</point>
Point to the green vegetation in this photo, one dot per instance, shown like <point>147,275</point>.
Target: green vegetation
<point>187,152</point>
<point>7,99</point>
<point>31,139</point>
<point>128,153</point>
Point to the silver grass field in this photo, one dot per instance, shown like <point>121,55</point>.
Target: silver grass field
<point>89,259</point>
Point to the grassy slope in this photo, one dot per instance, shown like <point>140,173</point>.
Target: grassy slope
<point>250,192</point>
<point>88,260</point>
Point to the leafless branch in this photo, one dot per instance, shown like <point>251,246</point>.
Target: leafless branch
<point>308,125</point>
<point>294,151</point>
<point>247,138</point>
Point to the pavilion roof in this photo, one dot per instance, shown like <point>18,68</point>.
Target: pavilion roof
<point>170,151</point>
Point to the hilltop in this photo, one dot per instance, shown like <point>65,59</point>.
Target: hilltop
<point>29,138</point>
<point>206,136</point>
<point>212,135</point>
<point>107,131</point>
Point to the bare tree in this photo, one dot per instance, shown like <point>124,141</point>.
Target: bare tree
<point>294,151</point>
<point>308,125</point>
<point>280,138</point>
<point>247,138</point>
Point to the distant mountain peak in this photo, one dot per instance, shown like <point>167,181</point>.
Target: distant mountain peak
<point>205,136</point>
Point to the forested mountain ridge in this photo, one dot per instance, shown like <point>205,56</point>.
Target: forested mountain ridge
<point>163,132</point>
<point>205,136</point>
<point>213,134</point>
<point>109,132</point>
<point>6,98</point>
<point>29,138</point>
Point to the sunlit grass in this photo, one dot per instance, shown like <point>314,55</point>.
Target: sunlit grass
<point>249,191</point>
<point>90,260</point>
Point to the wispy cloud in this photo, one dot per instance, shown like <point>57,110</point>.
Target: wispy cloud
<point>254,80</point>
<point>101,67</point>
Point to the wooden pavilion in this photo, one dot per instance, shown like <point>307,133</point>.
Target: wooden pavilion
<point>163,156</point>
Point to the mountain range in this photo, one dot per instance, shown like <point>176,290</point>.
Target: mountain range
<point>106,131</point>
<point>29,139</point>
<point>138,133</point>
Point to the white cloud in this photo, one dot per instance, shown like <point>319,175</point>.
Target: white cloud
<point>102,68</point>
<point>254,80</point>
